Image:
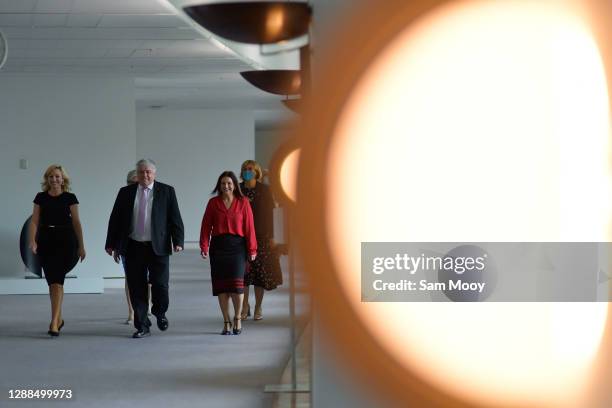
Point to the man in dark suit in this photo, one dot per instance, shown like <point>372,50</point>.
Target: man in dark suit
<point>145,225</point>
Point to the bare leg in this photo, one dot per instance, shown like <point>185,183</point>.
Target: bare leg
<point>61,302</point>
<point>56,293</point>
<point>246,312</point>
<point>237,299</point>
<point>129,304</point>
<point>150,300</point>
<point>224,306</point>
<point>259,294</point>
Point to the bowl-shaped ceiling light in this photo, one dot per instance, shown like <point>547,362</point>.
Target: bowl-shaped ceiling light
<point>260,22</point>
<point>276,81</point>
<point>293,104</point>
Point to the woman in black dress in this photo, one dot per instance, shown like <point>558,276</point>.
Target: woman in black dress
<point>228,231</point>
<point>264,272</point>
<point>55,232</point>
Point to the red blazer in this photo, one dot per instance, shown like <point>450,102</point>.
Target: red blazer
<point>237,220</point>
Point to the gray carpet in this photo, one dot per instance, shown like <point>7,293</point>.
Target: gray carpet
<point>190,365</point>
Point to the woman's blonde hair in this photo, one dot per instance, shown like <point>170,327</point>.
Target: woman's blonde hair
<point>256,167</point>
<point>45,183</point>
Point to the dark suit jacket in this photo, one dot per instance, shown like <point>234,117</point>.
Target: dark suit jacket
<point>166,223</point>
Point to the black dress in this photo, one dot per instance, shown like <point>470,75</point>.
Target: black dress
<point>265,270</point>
<point>56,240</point>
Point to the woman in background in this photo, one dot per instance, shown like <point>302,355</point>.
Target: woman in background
<point>229,233</point>
<point>55,231</point>
<point>131,178</point>
<point>264,272</point>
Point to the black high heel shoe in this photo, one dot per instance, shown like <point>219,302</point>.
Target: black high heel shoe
<point>55,333</point>
<point>226,332</point>
<point>236,331</point>
<point>52,333</point>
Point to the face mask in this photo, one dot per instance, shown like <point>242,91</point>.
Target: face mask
<point>247,175</point>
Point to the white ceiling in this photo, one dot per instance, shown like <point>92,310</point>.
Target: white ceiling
<point>172,64</point>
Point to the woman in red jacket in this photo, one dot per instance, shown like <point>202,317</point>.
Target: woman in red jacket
<point>229,232</point>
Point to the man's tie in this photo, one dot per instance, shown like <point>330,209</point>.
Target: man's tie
<point>142,211</point>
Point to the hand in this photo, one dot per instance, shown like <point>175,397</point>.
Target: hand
<point>82,253</point>
<point>34,247</point>
<point>178,248</point>
<point>114,253</point>
<point>204,255</point>
<point>252,257</point>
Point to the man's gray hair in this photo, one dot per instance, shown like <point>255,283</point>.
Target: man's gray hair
<point>146,163</point>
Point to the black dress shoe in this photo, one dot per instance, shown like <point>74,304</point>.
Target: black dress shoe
<point>60,326</point>
<point>162,323</point>
<point>141,333</point>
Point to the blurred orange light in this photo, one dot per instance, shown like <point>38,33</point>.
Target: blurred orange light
<point>480,121</point>
<point>288,174</point>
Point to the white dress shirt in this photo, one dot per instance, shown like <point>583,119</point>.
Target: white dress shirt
<point>147,229</point>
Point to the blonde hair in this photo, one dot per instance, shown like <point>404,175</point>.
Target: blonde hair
<point>256,167</point>
<point>45,183</point>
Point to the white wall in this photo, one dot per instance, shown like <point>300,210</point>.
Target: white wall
<point>267,141</point>
<point>90,126</point>
<point>86,124</point>
<point>191,148</point>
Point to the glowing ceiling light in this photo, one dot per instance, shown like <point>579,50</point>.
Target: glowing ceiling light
<point>275,20</point>
<point>288,174</point>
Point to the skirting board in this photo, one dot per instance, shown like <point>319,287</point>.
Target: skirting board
<point>39,286</point>
<point>113,283</point>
